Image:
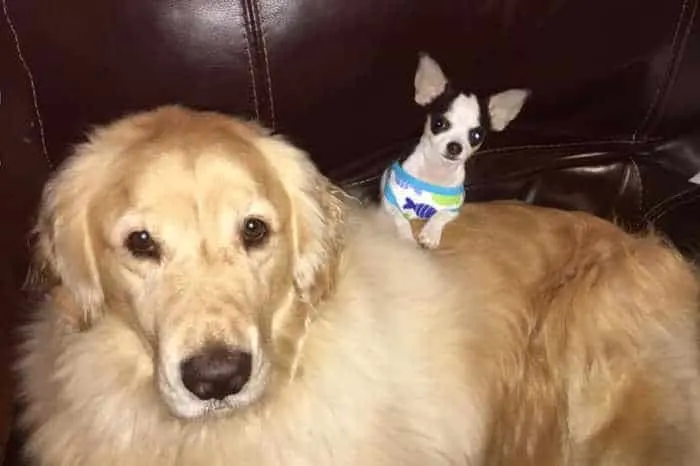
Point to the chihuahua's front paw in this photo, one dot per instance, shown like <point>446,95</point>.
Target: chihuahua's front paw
<point>429,237</point>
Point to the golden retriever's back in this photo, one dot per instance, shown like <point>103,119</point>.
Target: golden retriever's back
<point>594,350</point>
<point>178,246</point>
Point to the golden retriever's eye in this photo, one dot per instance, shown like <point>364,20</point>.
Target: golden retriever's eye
<point>142,245</point>
<point>254,232</point>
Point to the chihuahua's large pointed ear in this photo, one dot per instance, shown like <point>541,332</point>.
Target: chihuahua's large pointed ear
<point>317,217</point>
<point>64,260</point>
<point>430,81</point>
<point>505,106</point>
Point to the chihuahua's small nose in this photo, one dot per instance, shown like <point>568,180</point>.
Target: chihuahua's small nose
<point>454,148</point>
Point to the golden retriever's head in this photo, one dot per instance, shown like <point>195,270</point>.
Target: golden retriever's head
<point>205,235</point>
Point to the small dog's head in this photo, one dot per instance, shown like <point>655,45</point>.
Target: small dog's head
<point>201,234</point>
<point>458,122</point>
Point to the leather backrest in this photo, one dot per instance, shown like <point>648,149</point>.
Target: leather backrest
<point>336,76</point>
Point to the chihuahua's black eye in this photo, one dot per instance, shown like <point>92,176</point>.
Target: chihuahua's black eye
<point>142,245</point>
<point>438,124</point>
<point>476,136</point>
<point>254,232</point>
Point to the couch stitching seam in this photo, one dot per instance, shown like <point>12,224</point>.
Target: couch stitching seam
<point>663,206</point>
<point>664,83</point>
<point>30,79</point>
<point>263,52</point>
<point>678,57</point>
<point>561,145</point>
<point>249,53</point>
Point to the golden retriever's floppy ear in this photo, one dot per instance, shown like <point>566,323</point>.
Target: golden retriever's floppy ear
<point>64,257</point>
<point>317,215</point>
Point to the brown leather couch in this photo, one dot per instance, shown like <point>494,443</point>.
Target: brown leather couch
<point>613,126</point>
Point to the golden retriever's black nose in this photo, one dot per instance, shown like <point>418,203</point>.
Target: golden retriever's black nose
<point>216,373</point>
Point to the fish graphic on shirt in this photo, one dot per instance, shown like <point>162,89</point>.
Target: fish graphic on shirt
<point>423,211</point>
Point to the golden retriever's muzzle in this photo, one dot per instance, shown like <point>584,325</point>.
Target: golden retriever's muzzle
<point>210,354</point>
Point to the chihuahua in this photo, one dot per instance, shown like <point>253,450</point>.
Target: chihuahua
<point>429,183</point>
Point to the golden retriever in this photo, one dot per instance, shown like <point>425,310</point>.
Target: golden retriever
<point>213,300</point>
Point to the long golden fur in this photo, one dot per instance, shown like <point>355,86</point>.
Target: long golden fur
<point>531,337</point>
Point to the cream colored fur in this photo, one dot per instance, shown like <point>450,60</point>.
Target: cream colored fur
<point>531,337</point>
